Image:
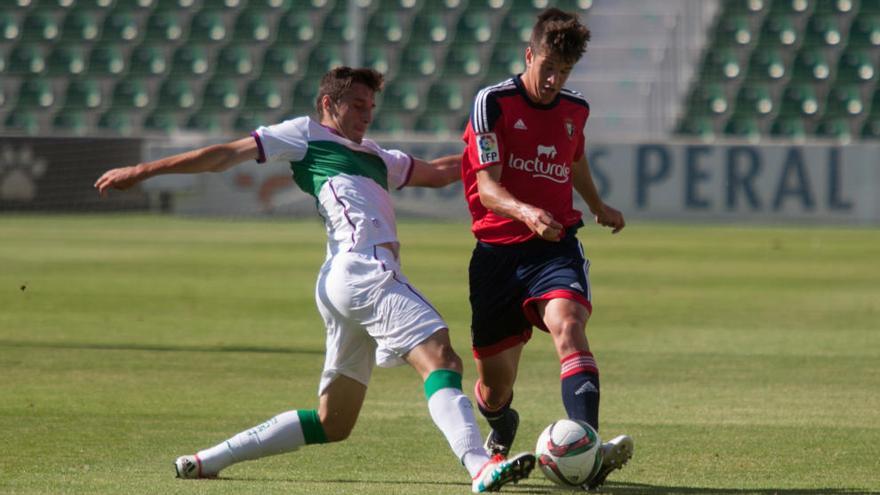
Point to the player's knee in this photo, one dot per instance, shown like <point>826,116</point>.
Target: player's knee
<point>336,431</point>
<point>449,359</point>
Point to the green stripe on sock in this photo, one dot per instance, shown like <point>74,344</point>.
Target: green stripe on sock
<point>439,379</point>
<point>313,432</point>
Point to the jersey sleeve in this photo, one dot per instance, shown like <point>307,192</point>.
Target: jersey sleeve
<point>399,165</point>
<point>485,146</point>
<point>287,141</point>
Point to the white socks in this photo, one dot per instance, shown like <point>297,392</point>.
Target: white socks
<point>453,413</point>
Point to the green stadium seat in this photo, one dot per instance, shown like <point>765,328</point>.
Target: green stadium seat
<point>27,58</point>
<point>697,126</point>
<point>571,5</point>
<point>263,95</point>
<point>516,27</point>
<point>506,61</point>
<point>390,122</point>
<point>871,127</point>
<point>280,60</point>
<point>463,60</point>
<point>865,31</point>
<point>36,93</point>
<point>305,95</point>
<point>835,127</point>
<point>743,126</point>
<point>120,27</point>
<point>297,27</point>
<point>402,95</point>
<point>445,96</point>
<point>174,4</point>
<point>824,30</point>
<point>811,64</point>
<point>767,63</point>
<point>190,60</point>
<point>324,58</point>
<point>23,120</point>
<point>474,27</point>
<point>106,60</point>
<point>709,99</point>
<point>734,30</point>
<point>41,25</point>
<point>83,94</point>
<point>165,26</point>
<point>792,7</point>
<point>119,122</point>
<point>149,59</point>
<point>407,6</point>
<point>338,28</point>
<point>435,124</point>
<point>162,121</point>
<point>800,100</point>
<point>53,4</point>
<point>869,7</point>
<point>379,57</point>
<point>74,122</point>
<point>490,6</point>
<point>132,93</point>
<point>856,65</point>
<point>387,27</point>
<point>223,4</point>
<point>755,99</point>
<point>94,4</point>
<point>250,120</point>
<point>779,31</point>
<point>67,60</point>
<point>235,59</point>
<point>721,64</point>
<point>178,94</point>
<point>81,26</point>
<point>221,94</point>
<point>253,27</point>
<point>789,127</point>
<point>749,7</point>
<point>836,7</point>
<point>844,100</point>
<point>207,121</point>
<point>135,4</point>
<point>418,60</point>
<point>271,7</point>
<point>430,29</point>
<point>208,26</point>
<point>10,29</point>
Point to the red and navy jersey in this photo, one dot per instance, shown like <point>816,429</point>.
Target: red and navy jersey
<point>535,145</point>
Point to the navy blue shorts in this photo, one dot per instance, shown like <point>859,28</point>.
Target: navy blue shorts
<point>507,280</point>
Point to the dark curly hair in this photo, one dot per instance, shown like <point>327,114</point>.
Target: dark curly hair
<point>337,81</point>
<point>559,34</point>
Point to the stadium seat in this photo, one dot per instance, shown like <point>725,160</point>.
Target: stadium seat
<point>81,25</point>
<point>697,126</point>
<point>430,29</point>
<point>338,28</point>
<point>271,7</point>
<point>473,27</point>
<point>223,4</point>
<point>734,30</point>
<point>516,27</point>
<point>263,95</point>
<point>174,4</point>
<point>135,4</point>
<point>83,94</point>
<point>165,26</point>
<point>824,30</point>
<point>789,127</point>
<point>436,124</point>
<point>869,7</point>
<point>573,5</point>
<point>41,25</point>
<point>387,27</point>
<point>418,60</point>
<point>10,30</point>
<point>799,99</point>
<point>462,60</point>
<point>380,57</point>
<point>865,31</point>
<point>235,59</point>
<point>190,60</point>
<point>149,59</point>
<point>871,128</point>
<point>177,94</point>
<point>250,120</point>
<point>221,94</point>
<point>67,60</point>
<point>208,26</point>
<point>119,122</point>
<point>74,122</point>
<point>27,58</point>
<point>811,64</point>
<point>23,120</point>
<point>755,99</point>
<point>390,122</point>
<point>280,60</point>
<point>207,121</point>
<point>402,95</point>
<point>835,127</point>
<point>120,27</point>
<point>95,4</point>
<point>253,27</point>
<point>446,97</point>
<point>323,59</point>
<point>106,60</point>
<point>408,6</point>
<point>506,61</point>
<point>791,7</point>
<point>721,64</point>
<point>35,93</point>
<point>297,27</point>
<point>779,31</point>
<point>844,100</point>
<point>856,65</point>
<point>132,93</point>
<point>836,7</point>
<point>710,99</point>
<point>162,121</point>
<point>767,63</point>
<point>743,126</point>
<point>749,7</point>
<point>304,96</point>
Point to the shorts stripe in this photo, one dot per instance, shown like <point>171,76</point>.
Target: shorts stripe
<point>408,286</point>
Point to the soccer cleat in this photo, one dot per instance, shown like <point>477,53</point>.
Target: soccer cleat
<point>495,444</point>
<point>190,467</point>
<point>499,471</point>
<point>615,454</point>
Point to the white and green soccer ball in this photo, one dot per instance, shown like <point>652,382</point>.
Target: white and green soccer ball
<point>569,452</point>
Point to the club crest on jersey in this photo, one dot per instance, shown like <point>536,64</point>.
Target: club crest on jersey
<point>487,146</point>
<point>569,128</point>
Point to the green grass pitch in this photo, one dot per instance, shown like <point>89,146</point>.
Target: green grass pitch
<point>742,360</point>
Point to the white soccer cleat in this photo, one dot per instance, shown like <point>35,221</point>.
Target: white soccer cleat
<point>615,454</point>
<point>190,467</point>
<point>500,471</point>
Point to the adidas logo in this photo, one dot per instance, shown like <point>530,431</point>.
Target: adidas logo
<point>520,125</point>
<point>586,387</point>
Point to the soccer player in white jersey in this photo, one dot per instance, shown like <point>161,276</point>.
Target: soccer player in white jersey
<point>371,313</point>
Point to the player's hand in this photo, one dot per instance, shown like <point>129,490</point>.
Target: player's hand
<point>542,223</point>
<point>610,217</point>
<point>118,178</point>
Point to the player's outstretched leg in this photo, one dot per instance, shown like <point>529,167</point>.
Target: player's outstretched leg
<point>500,471</point>
<point>615,454</point>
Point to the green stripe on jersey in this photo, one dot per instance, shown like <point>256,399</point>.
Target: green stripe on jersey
<point>313,431</point>
<point>326,159</point>
<point>440,379</point>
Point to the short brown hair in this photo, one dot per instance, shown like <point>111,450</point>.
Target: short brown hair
<point>337,81</point>
<point>560,34</point>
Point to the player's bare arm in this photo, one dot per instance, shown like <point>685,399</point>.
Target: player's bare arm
<point>582,179</point>
<point>439,172</point>
<point>500,201</point>
<point>215,158</point>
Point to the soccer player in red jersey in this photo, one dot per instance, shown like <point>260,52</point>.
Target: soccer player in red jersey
<point>524,155</point>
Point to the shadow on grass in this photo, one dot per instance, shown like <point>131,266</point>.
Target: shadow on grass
<point>158,348</point>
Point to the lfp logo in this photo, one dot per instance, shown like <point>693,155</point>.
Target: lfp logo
<point>488,148</point>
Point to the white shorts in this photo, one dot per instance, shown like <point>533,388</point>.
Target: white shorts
<point>372,314</point>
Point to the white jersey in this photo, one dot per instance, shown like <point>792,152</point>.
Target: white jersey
<point>349,180</point>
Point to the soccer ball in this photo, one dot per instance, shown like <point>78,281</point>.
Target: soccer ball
<point>569,452</point>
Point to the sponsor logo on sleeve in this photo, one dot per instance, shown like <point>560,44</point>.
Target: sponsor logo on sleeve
<point>487,147</point>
